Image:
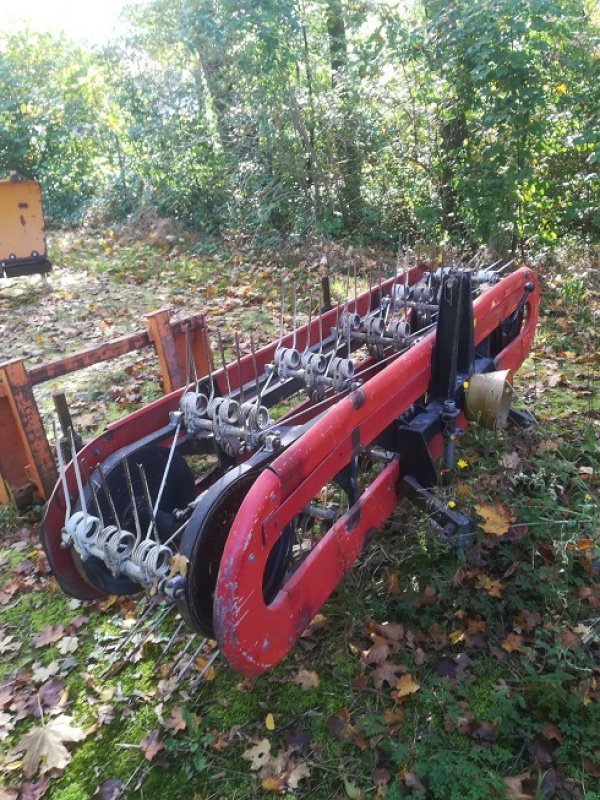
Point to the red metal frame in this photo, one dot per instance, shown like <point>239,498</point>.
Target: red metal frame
<point>253,636</point>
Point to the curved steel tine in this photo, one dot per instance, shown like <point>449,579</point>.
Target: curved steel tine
<point>109,497</point>
<point>255,367</point>
<point>93,487</point>
<point>197,679</point>
<point>310,300</point>
<point>208,355</point>
<point>77,471</point>
<point>163,614</point>
<point>169,644</point>
<point>295,317</point>
<point>164,477</point>
<point>224,362</point>
<point>238,357</point>
<point>134,509</point>
<point>62,469</point>
<point>181,675</point>
<point>148,499</point>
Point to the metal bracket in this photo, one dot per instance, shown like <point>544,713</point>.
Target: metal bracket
<point>448,524</point>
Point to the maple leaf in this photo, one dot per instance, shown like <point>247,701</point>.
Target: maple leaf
<point>151,746</point>
<point>492,587</point>
<point>176,721</point>
<point>8,644</point>
<point>68,644</point>
<point>50,634</point>
<point>298,773</point>
<point>512,643</point>
<point>44,745</point>
<point>306,679</point>
<point>378,652</point>
<point>386,673</point>
<point>338,724</point>
<point>41,674</point>
<point>110,789</point>
<point>178,565</point>
<point>498,518</point>
<point>258,755</point>
<point>514,787</point>
<point>404,686</point>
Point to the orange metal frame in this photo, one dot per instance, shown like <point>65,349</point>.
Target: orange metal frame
<point>27,464</point>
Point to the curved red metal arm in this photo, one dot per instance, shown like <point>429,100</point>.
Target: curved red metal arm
<point>151,418</point>
<point>254,636</point>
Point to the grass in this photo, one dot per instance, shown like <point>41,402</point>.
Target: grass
<point>501,640</point>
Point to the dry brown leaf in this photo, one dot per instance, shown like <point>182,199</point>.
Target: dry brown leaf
<point>492,587</point>
<point>178,565</point>
<point>306,679</point>
<point>50,634</point>
<point>299,773</point>
<point>386,673</point>
<point>176,722</point>
<point>378,652</point>
<point>512,643</point>
<point>151,745</point>
<point>258,755</point>
<point>404,686</point>
<point>514,786</point>
<point>44,745</point>
<point>497,518</point>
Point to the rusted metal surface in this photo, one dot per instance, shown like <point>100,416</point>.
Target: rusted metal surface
<point>25,448</point>
<point>27,464</point>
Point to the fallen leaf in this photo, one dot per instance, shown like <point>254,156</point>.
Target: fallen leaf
<point>352,791</point>
<point>512,643</point>
<point>299,773</point>
<point>386,673</point>
<point>50,634</point>
<point>270,722</point>
<point>497,518</point>
<point>110,789</point>
<point>404,686</point>
<point>258,754</point>
<point>411,781</point>
<point>178,565</point>
<point>569,639</point>
<point>68,644</point>
<point>492,587</point>
<point>176,722</point>
<point>44,745</point>
<point>338,725</point>
<point>306,679</point>
<point>378,652</point>
<point>151,745</point>
<point>514,786</point>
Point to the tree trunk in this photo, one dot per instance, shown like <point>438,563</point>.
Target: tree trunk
<point>350,162</point>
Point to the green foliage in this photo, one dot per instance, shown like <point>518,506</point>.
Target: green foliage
<point>473,120</point>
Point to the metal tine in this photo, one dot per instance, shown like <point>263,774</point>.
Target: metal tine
<point>164,477</point>
<point>109,497</point>
<point>208,355</point>
<point>77,471</point>
<point>197,679</point>
<point>148,498</point>
<point>62,469</point>
<point>181,654</point>
<point>223,361</point>
<point>310,301</point>
<point>150,631</point>
<point>98,509</point>
<point>295,317</point>
<point>255,368</point>
<point>169,644</point>
<point>392,298</point>
<point>181,675</point>
<point>131,634</point>
<point>238,356</point>
<point>190,362</point>
<point>321,322</point>
<point>281,313</point>
<point>506,266</point>
<point>405,283</point>
<point>338,339</point>
<point>136,518</point>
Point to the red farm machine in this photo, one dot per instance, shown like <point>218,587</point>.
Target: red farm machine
<point>243,498</point>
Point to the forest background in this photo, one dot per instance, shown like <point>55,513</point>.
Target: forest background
<point>473,121</point>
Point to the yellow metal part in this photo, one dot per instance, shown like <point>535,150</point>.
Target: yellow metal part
<point>22,235</point>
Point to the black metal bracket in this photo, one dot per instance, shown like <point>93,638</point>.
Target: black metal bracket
<point>448,524</point>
